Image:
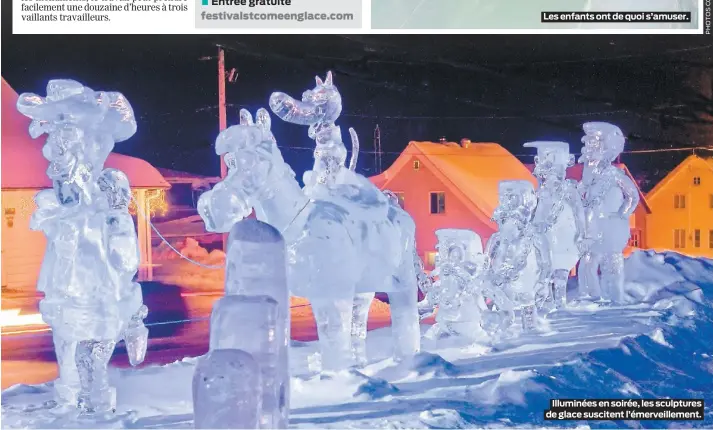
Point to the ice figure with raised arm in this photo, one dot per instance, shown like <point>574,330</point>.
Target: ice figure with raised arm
<point>609,197</point>
<point>347,243</point>
<point>90,300</point>
<point>319,109</point>
<point>518,255</point>
<point>257,301</point>
<point>559,214</point>
<point>459,267</point>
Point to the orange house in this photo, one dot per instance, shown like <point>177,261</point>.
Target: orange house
<point>450,185</point>
<point>682,203</point>
<point>638,218</point>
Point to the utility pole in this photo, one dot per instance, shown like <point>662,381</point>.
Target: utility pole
<point>222,115</point>
<point>377,149</point>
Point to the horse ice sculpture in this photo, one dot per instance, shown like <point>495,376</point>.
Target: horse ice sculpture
<point>559,213</point>
<point>609,197</point>
<point>459,266</point>
<point>519,256</point>
<point>348,242</point>
<point>92,254</point>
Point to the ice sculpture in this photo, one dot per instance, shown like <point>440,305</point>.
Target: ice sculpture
<point>518,255</point>
<point>320,108</point>
<point>257,302</point>
<point>347,243</point>
<point>609,197</point>
<point>559,213</point>
<point>90,300</point>
<point>227,390</point>
<point>460,266</point>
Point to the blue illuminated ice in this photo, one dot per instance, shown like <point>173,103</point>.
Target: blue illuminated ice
<point>345,240</point>
<point>90,300</point>
<point>227,391</point>
<point>609,197</point>
<point>559,214</point>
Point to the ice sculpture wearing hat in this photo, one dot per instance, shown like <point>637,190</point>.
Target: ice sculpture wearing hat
<point>459,265</point>
<point>609,197</point>
<point>518,255</point>
<point>559,213</point>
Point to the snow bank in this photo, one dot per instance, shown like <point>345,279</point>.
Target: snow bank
<point>658,348</point>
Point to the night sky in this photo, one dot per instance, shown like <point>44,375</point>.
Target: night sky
<point>506,89</point>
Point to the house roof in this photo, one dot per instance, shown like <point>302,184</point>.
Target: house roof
<point>180,177</point>
<point>472,173</point>
<point>575,173</point>
<point>688,162</point>
<point>24,166</point>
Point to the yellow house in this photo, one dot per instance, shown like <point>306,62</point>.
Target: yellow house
<point>681,217</point>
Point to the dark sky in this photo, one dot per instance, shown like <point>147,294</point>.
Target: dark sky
<point>507,89</point>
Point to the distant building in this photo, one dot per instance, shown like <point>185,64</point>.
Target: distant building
<point>638,218</point>
<point>185,190</point>
<point>450,185</point>
<point>23,175</point>
<point>682,204</point>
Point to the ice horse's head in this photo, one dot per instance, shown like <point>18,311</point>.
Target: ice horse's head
<point>320,105</point>
<point>603,143</point>
<point>253,159</point>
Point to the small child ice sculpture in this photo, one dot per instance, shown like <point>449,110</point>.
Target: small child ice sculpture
<point>319,109</point>
<point>459,265</point>
<point>559,213</point>
<point>609,197</point>
<point>518,255</point>
<point>254,315</point>
<point>227,391</point>
<point>92,253</point>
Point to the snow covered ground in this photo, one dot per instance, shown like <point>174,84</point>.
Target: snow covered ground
<point>658,348</point>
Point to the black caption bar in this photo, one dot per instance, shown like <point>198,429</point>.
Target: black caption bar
<point>633,17</point>
<point>626,409</point>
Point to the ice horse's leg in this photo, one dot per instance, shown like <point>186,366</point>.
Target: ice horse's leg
<point>92,356</point>
<point>405,321</point>
<point>334,327</point>
<point>360,317</point>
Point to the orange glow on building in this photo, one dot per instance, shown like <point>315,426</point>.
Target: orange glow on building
<point>682,209</point>
<point>450,185</point>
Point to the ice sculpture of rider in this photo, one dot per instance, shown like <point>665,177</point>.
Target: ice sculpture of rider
<point>90,300</point>
<point>319,109</point>
<point>559,213</point>
<point>610,198</point>
<point>519,258</point>
<point>460,264</point>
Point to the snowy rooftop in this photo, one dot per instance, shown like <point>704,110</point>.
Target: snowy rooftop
<point>473,171</point>
<point>23,166</point>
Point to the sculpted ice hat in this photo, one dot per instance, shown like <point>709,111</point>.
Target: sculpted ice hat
<point>70,103</point>
<point>553,151</point>
<point>449,237</point>
<point>604,138</point>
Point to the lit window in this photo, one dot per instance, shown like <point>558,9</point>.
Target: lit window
<point>697,180</point>
<point>697,238</point>
<point>710,239</point>
<point>679,238</point>
<point>431,258</point>
<point>710,201</point>
<point>438,203</point>
<point>635,239</point>
<point>679,201</point>
<point>416,164</point>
